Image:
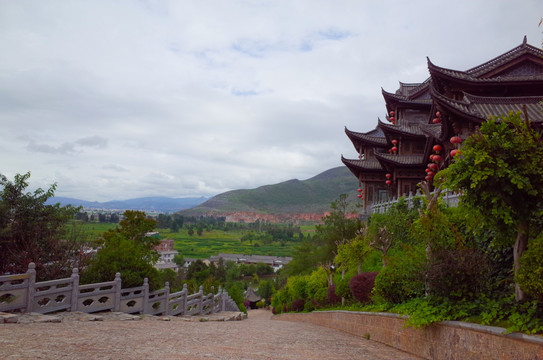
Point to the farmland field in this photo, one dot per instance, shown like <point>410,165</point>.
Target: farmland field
<point>208,244</point>
<point>217,241</point>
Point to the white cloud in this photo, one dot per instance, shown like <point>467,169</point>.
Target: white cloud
<point>114,100</point>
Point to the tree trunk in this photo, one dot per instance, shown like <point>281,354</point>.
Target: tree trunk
<point>521,244</point>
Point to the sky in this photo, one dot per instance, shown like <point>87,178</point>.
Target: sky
<point>113,100</point>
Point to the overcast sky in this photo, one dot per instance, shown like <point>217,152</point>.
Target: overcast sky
<point>114,100</point>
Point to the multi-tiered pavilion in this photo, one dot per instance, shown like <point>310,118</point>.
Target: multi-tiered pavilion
<point>427,122</point>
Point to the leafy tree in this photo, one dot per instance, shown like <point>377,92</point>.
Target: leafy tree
<point>500,175</point>
<point>128,251</point>
<point>31,231</point>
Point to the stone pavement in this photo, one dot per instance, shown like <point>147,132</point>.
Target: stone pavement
<point>255,338</point>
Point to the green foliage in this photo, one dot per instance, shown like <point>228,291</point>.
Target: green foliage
<point>128,251</point>
<point>403,278</point>
<point>265,289</point>
<point>317,287</point>
<point>235,290</point>
<point>31,231</point>
<point>530,275</point>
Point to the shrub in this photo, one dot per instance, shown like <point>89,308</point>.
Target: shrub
<point>297,305</point>
<point>457,273</point>
<point>361,286</point>
<point>333,298</point>
<point>403,278</point>
<point>531,269</point>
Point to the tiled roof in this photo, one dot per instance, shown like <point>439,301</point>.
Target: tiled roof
<point>433,130</point>
<point>416,160</point>
<point>400,128</point>
<point>374,137</point>
<point>362,164</point>
<point>481,108</point>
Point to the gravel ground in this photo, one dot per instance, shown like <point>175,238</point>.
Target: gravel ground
<point>258,337</point>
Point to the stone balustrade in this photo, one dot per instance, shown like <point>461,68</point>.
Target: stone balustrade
<point>22,293</point>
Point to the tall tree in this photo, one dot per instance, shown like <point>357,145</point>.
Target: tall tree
<point>31,231</point>
<point>500,174</point>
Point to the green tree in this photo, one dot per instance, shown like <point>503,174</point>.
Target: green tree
<point>31,231</point>
<point>128,251</point>
<point>500,174</point>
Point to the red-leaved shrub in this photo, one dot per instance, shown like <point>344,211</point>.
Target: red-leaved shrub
<point>333,298</point>
<point>361,286</point>
<point>297,305</point>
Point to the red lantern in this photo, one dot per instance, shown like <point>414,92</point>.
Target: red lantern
<point>392,113</point>
<point>427,170</point>
<point>388,182</point>
<point>431,174</point>
<point>388,176</point>
<point>428,178</point>
<point>456,140</point>
<point>432,157</point>
<point>455,152</point>
<point>436,121</point>
<point>437,158</point>
<point>359,190</point>
<point>437,148</point>
<point>394,141</point>
<point>433,167</point>
<point>359,196</point>
<point>394,149</point>
<point>392,119</point>
<point>438,114</point>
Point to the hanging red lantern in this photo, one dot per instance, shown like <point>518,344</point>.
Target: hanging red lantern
<point>433,167</point>
<point>359,190</point>
<point>394,149</point>
<point>437,158</point>
<point>359,196</point>
<point>388,182</point>
<point>427,170</point>
<point>436,121</point>
<point>437,148</point>
<point>432,157</point>
<point>428,178</point>
<point>394,141</point>
<point>392,119</point>
<point>456,140</point>
<point>455,152</point>
<point>431,174</point>
<point>390,151</point>
<point>438,114</point>
<point>392,113</point>
<point>388,176</point>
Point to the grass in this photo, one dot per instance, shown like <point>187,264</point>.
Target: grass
<point>217,241</point>
<point>208,244</point>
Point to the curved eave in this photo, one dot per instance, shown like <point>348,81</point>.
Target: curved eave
<point>466,79</point>
<point>408,131</point>
<point>394,100</point>
<point>362,168</point>
<point>362,138</point>
<point>403,161</point>
<point>459,108</point>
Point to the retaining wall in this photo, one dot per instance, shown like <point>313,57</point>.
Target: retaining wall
<point>448,340</point>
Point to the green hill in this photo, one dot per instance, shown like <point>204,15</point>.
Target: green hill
<point>313,195</point>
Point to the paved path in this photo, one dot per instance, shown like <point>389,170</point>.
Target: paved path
<point>258,337</point>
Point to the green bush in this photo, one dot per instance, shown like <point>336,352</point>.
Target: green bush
<point>403,278</point>
<point>530,274</point>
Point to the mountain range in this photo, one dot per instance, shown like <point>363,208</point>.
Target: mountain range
<point>304,199</point>
<point>293,199</point>
<point>155,203</point>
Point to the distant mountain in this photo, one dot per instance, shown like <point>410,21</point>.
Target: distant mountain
<point>156,203</point>
<point>311,196</point>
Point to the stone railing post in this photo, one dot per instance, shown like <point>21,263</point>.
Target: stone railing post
<point>75,289</point>
<point>185,303</point>
<point>118,284</point>
<point>201,304</point>
<point>224,296</point>
<point>31,287</point>
<point>146,296</point>
<point>167,298</point>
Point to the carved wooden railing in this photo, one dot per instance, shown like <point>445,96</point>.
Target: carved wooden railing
<point>22,293</point>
